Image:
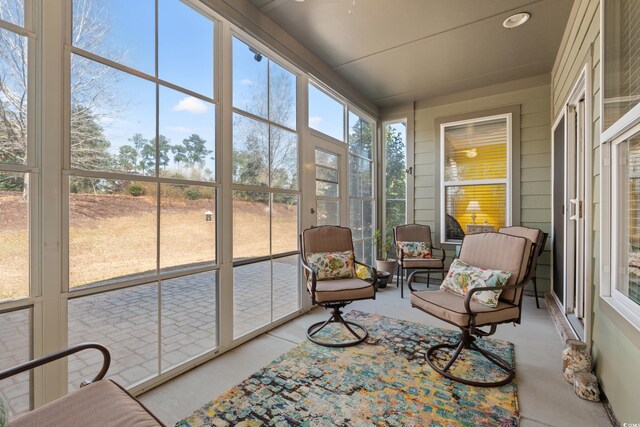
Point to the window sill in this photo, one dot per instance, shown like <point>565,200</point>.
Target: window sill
<point>631,316</point>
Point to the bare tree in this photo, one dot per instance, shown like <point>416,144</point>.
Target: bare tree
<point>90,84</point>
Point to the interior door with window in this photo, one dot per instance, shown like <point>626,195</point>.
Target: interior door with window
<point>330,194</point>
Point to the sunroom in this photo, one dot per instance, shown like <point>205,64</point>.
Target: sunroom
<point>159,160</point>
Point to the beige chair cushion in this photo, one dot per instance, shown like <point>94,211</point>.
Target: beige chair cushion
<point>413,233</point>
<point>326,238</point>
<point>422,263</point>
<point>102,404</point>
<point>342,290</point>
<point>498,251</point>
<point>450,308</point>
<point>533,234</point>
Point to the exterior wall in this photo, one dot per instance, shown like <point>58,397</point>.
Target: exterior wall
<point>535,152</point>
<point>615,343</point>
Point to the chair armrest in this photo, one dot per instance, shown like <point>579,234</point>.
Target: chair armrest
<point>314,278</point>
<point>410,279</point>
<point>444,253</point>
<point>467,298</point>
<point>59,355</point>
<point>372,271</point>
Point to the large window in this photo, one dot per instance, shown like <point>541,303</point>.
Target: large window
<point>18,197</point>
<point>395,175</point>
<point>621,55</point>
<point>475,159</point>
<point>326,114</point>
<point>620,270</point>
<point>142,186</point>
<point>266,190</point>
<point>361,186</point>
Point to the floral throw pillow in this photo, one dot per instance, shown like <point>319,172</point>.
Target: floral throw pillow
<point>463,277</point>
<point>415,249</point>
<point>332,265</point>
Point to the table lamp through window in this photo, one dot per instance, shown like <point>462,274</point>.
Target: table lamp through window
<point>473,207</point>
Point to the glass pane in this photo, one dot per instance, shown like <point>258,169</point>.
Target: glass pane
<point>358,248</point>
<point>249,79</point>
<point>326,115</point>
<point>250,224</point>
<point>360,136</point>
<point>120,30</point>
<point>284,223</point>
<point>628,187</point>
<point>621,77</point>
<point>251,297</point>
<point>14,236</point>
<point>326,174</point>
<point>326,189</point>
<point>284,158</point>
<point>368,254</point>
<point>395,215</point>
<point>360,177</point>
<point>328,212</point>
<point>395,161</point>
<point>286,275</point>
<point>250,151</point>
<point>187,136</point>
<point>113,119</point>
<point>13,11</point>
<point>13,95</point>
<point>112,230</point>
<point>126,322</point>
<point>187,225</point>
<point>15,348</point>
<point>282,96</point>
<point>185,47</point>
<point>367,218</point>
<point>476,151</point>
<point>356,218</point>
<point>189,317</point>
<point>474,208</point>
<point>328,160</point>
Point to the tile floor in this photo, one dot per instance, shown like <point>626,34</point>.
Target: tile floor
<point>544,396</point>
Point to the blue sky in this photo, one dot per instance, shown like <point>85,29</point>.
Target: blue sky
<point>185,58</point>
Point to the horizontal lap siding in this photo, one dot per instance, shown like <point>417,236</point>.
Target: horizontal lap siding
<point>615,344</point>
<point>535,158</point>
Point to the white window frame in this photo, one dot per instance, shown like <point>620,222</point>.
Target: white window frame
<point>506,181</point>
<point>410,170</point>
<point>374,151</point>
<point>624,128</point>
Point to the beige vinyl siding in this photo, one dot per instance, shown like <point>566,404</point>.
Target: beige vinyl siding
<point>535,158</point>
<point>615,343</point>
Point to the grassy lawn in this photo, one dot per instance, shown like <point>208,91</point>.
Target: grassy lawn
<point>114,236</point>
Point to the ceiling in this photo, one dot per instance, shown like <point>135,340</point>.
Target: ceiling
<point>399,51</point>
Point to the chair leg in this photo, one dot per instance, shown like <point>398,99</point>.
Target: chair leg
<point>428,278</point>
<point>467,341</point>
<point>336,317</point>
<point>535,290</point>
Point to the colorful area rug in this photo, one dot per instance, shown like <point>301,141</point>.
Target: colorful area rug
<point>384,381</point>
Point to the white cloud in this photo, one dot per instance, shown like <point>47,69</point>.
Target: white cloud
<point>191,105</point>
<point>246,82</point>
<point>314,121</point>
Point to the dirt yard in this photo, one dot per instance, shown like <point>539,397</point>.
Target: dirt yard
<point>115,235</point>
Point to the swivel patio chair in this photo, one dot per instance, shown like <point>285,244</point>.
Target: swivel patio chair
<point>329,266</point>
<point>510,255</point>
<point>416,233</point>
<point>536,236</point>
<point>99,402</point>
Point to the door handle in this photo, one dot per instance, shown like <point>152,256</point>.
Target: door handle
<point>312,211</point>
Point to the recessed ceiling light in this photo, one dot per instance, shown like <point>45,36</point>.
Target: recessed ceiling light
<point>516,20</point>
<point>300,1</point>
